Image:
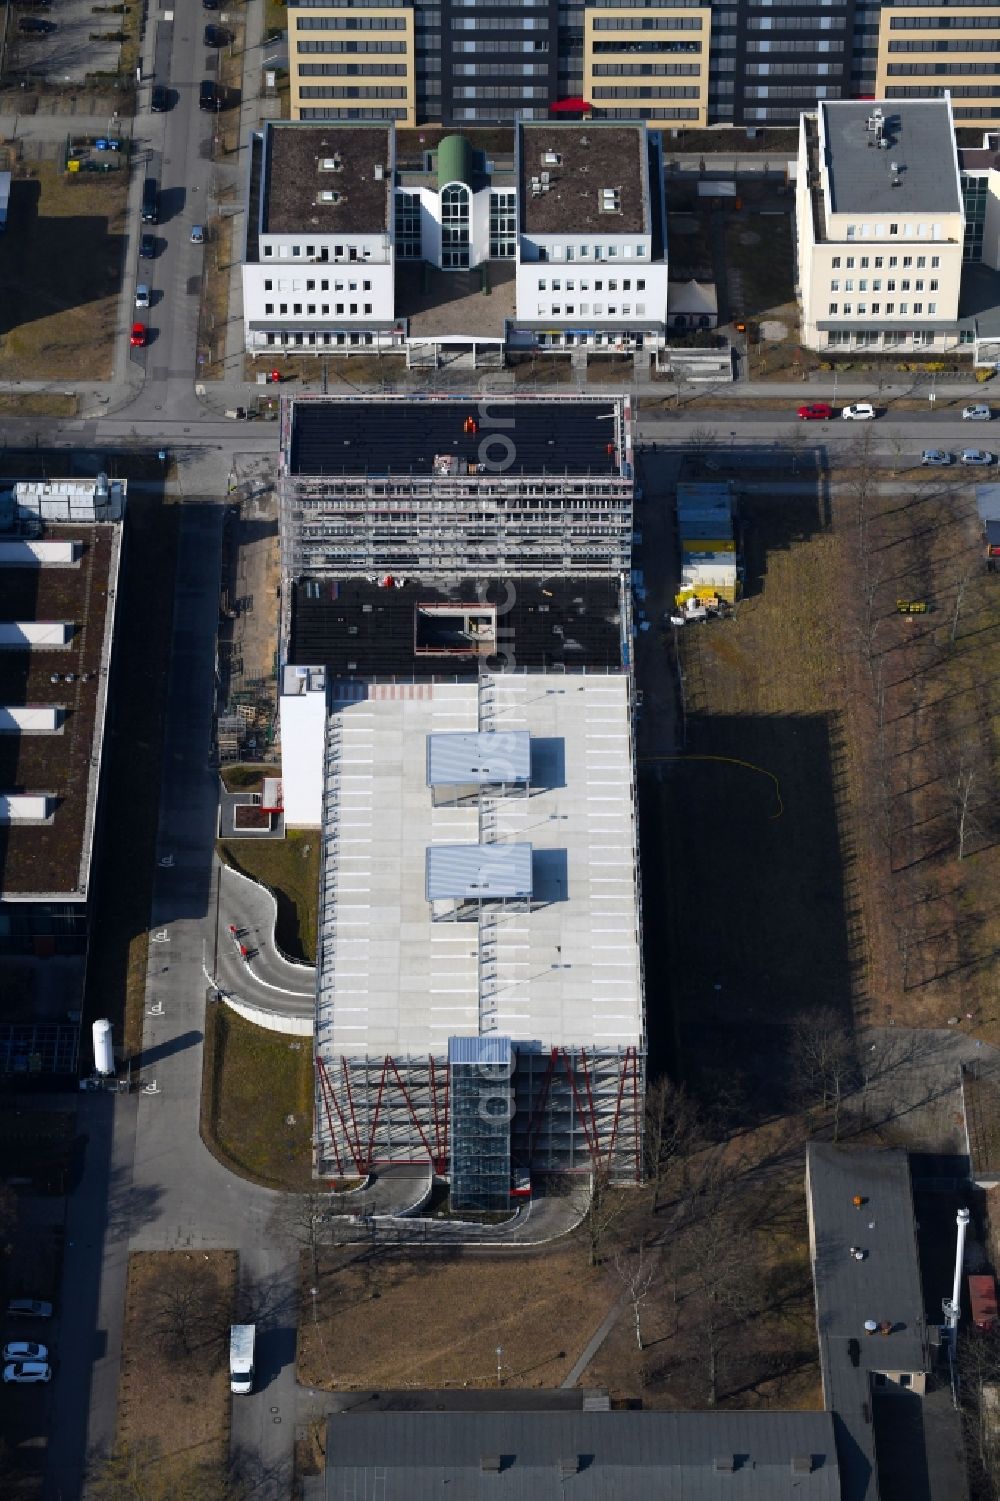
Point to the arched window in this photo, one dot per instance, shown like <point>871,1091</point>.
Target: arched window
<point>455,220</point>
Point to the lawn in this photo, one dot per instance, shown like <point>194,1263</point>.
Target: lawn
<point>243,778</point>
<point>435,1320</point>
<point>61,268</point>
<point>116,970</point>
<point>290,868</point>
<point>174,1404</point>
<point>39,403</point>
<point>262,1134</point>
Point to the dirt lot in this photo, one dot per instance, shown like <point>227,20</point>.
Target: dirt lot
<point>173,1401</point>
<point>60,265</point>
<point>265,1136</point>
<point>454,1310</point>
<point>876,727</point>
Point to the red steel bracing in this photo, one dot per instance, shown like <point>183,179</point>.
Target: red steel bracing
<point>324,1087</point>
<point>440,1127</point>
<point>345,1070</point>
<point>636,1113</point>
<point>378,1107</point>
<point>618,1105</point>
<point>539,1109</point>
<point>568,1068</point>
<point>590,1100</point>
<point>343,1124</point>
<point>413,1113</point>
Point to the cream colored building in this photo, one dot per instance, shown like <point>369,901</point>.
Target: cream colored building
<point>648,63</point>
<point>352,63</point>
<point>924,50</point>
<point>880,224</point>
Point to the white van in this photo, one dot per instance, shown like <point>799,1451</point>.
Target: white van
<point>241,1345</point>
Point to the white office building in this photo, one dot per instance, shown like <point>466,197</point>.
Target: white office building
<point>881,224</point>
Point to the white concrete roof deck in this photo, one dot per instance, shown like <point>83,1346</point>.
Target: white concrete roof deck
<point>568,972</point>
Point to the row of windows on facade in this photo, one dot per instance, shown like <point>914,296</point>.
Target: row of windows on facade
<point>863,309</point>
<point>967,44</point>
<point>556,284</point>
<point>885,339</point>
<point>911,231</point>
<point>322,309</point>
<point>583,252</point>
<point>892,284</point>
<point>354,91</point>
<point>944,23</point>
<point>570,310</point>
<point>880,262</point>
<point>935,93</point>
<point>334,112</point>
<point>340,252</point>
<point>943,70</point>
<point>282,284</point>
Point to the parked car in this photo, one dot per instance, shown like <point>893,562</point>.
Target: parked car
<point>197,234</point>
<point>976,456</point>
<point>210,96</point>
<point>142,295</point>
<point>137,338</point>
<point>859,411</point>
<point>147,247</point>
<point>159,99</point>
<point>816,411</point>
<point>28,1308</point>
<point>24,1349</point>
<point>35,23</point>
<point>23,1372</point>
<point>936,458</point>
<point>210,4</point>
<point>217,36</point>
<point>978,412</point>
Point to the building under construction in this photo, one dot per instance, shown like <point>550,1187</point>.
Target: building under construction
<point>456,719</point>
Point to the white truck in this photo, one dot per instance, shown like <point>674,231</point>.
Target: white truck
<point>241,1343</point>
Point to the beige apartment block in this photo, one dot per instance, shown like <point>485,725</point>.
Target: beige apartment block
<point>348,62</point>
<point>647,62</point>
<point>924,50</point>
<point>880,227</point>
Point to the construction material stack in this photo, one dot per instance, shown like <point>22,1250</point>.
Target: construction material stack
<point>706,528</point>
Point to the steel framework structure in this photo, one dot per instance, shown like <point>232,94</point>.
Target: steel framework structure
<point>575,1110</point>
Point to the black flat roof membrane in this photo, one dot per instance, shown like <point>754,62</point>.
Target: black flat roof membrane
<point>331,437</point>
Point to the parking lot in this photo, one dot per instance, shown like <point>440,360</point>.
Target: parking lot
<point>76,41</point>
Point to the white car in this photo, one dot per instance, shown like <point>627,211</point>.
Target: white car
<point>976,456</point>
<point>142,295</point>
<point>24,1349</point>
<point>24,1372</point>
<point>859,411</point>
<point>197,234</point>
<point>936,457</point>
<point>980,412</point>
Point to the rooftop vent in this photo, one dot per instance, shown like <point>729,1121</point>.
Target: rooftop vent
<point>331,163</point>
<point>724,1464</point>
<point>802,1464</point>
<point>570,1465</point>
<point>584,141</point>
<point>610,200</point>
<point>491,1464</point>
<point>379,172</point>
<point>551,159</point>
<point>329,196</point>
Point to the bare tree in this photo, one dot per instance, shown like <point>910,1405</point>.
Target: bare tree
<point>979,1385</point>
<point>672,1130</point>
<point>710,1258</point>
<point>188,1313</point>
<point>301,1217</point>
<point>605,1209</point>
<point>824,1059</point>
<point>636,1270</point>
<point>956,613</point>
<point>965,781</point>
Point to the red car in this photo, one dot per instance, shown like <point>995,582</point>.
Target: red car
<point>818,411</point>
<point>137,338</point>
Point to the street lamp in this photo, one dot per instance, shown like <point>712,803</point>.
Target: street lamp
<point>499,1365</point>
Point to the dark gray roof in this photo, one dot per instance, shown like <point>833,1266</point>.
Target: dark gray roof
<point>884,1286</point>
<point>582,1456</point>
<point>921,142</point>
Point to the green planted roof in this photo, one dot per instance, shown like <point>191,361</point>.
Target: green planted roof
<point>454,163</point>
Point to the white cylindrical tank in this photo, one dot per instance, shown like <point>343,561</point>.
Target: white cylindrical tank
<point>104,1051</point>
